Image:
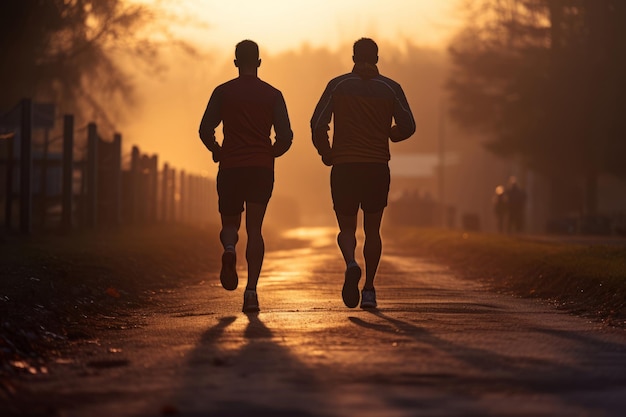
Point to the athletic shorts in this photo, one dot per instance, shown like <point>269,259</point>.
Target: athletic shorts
<point>246,184</point>
<point>362,184</point>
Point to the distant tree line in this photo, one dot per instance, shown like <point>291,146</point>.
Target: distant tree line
<point>544,81</point>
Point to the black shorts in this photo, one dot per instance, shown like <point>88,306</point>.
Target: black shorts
<point>246,184</point>
<point>362,184</point>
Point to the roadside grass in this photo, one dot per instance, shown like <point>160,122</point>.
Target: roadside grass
<point>587,279</point>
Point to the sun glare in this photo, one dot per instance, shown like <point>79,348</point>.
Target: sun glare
<point>172,104</point>
<point>280,25</point>
<point>318,236</point>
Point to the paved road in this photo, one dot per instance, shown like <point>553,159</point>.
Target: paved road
<point>437,346</point>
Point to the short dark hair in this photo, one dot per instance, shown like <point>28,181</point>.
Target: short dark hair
<point>247,53</point>
<point>365,50</point>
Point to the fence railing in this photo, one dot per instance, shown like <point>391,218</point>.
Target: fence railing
<point>89,185</point>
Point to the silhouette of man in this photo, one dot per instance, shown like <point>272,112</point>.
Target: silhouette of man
<point>364,106</point>
<point>248,108</point>
<point>515,199</point>
<point>499,207</point>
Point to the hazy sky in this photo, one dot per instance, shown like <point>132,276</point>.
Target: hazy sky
<point>280,25</point>
<point>171,105</point>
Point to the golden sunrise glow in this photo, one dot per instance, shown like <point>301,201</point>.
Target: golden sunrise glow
<point>279,25</point>
<point>173,102</point>
<point>303,44</point>
<point>318,236</point>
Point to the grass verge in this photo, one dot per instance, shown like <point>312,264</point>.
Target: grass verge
<point>587,279</point>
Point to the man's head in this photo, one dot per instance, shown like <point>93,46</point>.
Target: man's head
<point>365,50</point>
<point>247,55</point>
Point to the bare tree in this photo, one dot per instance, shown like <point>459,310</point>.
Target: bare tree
<point>72,52</point>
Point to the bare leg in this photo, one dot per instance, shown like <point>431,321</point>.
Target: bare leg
<point>255,250</point>
<point>347,243</point>
<point>373,247</point>
<point>229,236</point>
<point>346,239</point>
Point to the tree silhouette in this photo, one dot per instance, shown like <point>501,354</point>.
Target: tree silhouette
<point>71,52</point>
<point>544,80</point>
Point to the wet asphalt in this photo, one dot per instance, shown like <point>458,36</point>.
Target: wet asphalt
<point>437,345</point>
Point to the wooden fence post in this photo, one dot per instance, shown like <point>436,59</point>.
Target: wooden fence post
<point>207,194</point>
<point>135,176</point>
<point>189,198</point>
<point>26,166</point>
<point>182,193</point>
<point>201,201</point>
<point>172,195</point>
<point>191,192</point>
<point>154,187</point>
<point>43,182</point>
<point>145,187</point>
<point>92,175</point>
<point>8,204</point>
<point>68,172</point>
<point>165,176</point>
<point>117,178</point>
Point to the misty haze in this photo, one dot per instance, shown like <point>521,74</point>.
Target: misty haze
<point>313,208</point>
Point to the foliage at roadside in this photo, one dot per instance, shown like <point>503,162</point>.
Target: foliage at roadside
<point>587,279</point>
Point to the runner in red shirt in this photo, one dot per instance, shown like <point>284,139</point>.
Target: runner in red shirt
<point>247,107</point>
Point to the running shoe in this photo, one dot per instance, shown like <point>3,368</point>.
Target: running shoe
<point>368,298</point>
<point>250,302</point>
<point>350,291</point>
<point>228,274</point>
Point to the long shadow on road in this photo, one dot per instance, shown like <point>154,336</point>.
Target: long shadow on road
<point>235,372</point>
<point>487,371</point>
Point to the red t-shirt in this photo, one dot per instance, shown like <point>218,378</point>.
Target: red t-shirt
<point>248,108</point>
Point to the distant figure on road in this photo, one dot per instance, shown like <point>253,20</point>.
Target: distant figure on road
<point>516,201</point>
<point>363,105</point>
<point>499,207</point>
<point>248,108</point>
